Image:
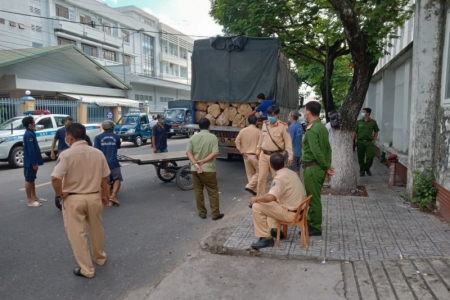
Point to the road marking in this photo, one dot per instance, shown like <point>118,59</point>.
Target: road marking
<point>125,164</point>
<point>38,185</point>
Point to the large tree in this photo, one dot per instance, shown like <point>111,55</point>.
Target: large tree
<point>307,34</point>
<point>318,32</point>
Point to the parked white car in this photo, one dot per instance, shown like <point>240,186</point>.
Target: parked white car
<point>11,136</point>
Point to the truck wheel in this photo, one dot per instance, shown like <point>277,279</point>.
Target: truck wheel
<point>138,141</point>
<point>16,157</point>
<point>144,141</point>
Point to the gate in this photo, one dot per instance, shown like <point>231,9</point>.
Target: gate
<point>98,114</point>
<point>64,107</point>
<point>10,108</point>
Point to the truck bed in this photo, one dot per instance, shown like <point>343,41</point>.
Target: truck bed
<point>215,128</point>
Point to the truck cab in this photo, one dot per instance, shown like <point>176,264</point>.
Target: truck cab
<point>12,131</point>
<point>135,128</point>
<point>179,113</point>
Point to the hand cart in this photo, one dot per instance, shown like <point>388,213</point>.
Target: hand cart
<point>167,168</point>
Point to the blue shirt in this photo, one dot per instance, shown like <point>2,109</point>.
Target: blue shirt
<point>264,106</point>
<point>31,152</point>
<point>108,142</point>
<point>60,136</point>
<point>160,134</point>
<point>296,132</point>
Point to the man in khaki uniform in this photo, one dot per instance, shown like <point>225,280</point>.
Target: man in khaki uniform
<point>275,138</point>
<point>280,204</point>
<point>247,143</point>
<point>80,182</point>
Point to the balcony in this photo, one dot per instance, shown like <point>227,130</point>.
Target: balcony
<point>87,32</point>
<point>174,59</point>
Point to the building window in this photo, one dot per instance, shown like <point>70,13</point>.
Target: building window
<point>35,10</point>
<point>86,20</point>
<point>36,45</point>
<point>12,24</point>
<point>165,99</point>
<point>36,27</point>
<point>143,97</point>
<point>21,26</point>
<point>127,60</point>
<point>183,53</point>
<point>62,11</point>
<point>2,21</point>
<point>148,57</point>
<point>106,28</point>
<point>148,22</point>
<point>183,72</point>
<point>125,36</point>
<point>109,55</point>
<point>173,49</point>
<point>89,50</point>
<point>62,41</point>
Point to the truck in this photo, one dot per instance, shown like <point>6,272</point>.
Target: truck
<point>134,127</point>
<point>177,115</point>
<point>12,130</point>
<point>227,75</point>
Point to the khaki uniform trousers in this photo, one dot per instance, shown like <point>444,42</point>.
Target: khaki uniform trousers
<point>266,215</point>
<point>264,170</point>
<point>251,168</point>
<point>206,180</point>
<point>79,212</point>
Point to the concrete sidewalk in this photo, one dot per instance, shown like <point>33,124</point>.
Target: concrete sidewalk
<point>375,228</point>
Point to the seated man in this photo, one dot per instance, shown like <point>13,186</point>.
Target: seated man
<point>281,203</point>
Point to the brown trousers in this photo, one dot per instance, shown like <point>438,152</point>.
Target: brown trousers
<point>206,180</point>
<point>264,170</point>
<point>80,212</point>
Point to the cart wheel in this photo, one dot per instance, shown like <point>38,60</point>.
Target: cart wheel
<point>167,173</point>
<point>184,178</point>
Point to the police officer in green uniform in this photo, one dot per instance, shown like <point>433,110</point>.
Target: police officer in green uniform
<point>366,133</point>
<point>316,163</point>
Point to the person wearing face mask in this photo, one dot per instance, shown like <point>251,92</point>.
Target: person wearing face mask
<point>80,182</point>
<point>262,107</point>
<point>32,159</point>
<point>274,138</point>
<point>60,137</point>
<point>316,163</point>
<point>366,133</point>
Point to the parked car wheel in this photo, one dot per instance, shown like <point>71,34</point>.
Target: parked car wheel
<point>138,141</point>
<point>144,141</point>
<point>16,157</point>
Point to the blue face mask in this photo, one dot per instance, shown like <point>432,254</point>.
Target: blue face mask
<point>289,121</point>
<point>362,115</point>
<point>272,119</point>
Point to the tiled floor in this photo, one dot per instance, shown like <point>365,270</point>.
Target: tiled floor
<point>379,227</point>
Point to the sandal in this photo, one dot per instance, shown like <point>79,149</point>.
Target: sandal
<point>114,201</point>
<point>35,204</point>
<point>41,200</point>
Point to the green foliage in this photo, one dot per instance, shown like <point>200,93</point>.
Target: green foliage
<point>423,189</point>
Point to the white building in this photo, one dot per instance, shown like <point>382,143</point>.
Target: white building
<point>410,98</point>
<point>151,57</point>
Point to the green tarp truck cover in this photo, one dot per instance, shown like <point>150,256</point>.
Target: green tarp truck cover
<point>237,70</point>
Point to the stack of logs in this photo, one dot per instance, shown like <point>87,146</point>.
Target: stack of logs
<point>224,113</point>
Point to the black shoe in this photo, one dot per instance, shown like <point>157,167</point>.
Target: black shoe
<point>202,216</point>
<point>361,174</point>
<point>218,217</point>
<point>251,191</point>
<point>369,173</point>
<point>77,271</point>
<point>273,233</point>
<point>263,243</point>
<point>312,232</point>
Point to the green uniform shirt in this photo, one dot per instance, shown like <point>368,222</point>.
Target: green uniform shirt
<point>365,129</point>
<point>316,145</point>
<point>201,145</point>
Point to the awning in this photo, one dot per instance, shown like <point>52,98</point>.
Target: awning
<point>105,101</point>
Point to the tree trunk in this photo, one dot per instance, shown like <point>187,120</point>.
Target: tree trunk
<point>344,179</point>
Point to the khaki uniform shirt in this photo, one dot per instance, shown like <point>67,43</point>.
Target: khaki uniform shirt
<point>247,139</point>
<point>288,189</point>
<point>201,145</point>
<point>316,145</point>
<point>81,168</point>
<point>280,135</point>
<point>365,129</point>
